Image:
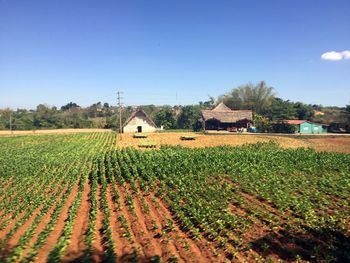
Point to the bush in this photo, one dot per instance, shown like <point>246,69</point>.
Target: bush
<point>282,127</point>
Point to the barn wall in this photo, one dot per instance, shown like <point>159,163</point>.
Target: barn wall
<point>139,120</point>
<point>305,128</point>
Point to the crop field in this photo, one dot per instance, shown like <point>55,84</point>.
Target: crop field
<point>83,198</point>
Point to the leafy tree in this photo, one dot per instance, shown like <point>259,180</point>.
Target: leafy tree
<point>257,97</point>
<point>189,117</point>
<point>112,122</point>
<point>69,106</point>
<point>281,127</point>
<point>5,118</point>
<point>303,111</point>
<point>281,110</point>
<point>262,123</point>
<point>166,118</point>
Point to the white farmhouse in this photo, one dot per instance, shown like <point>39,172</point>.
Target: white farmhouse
<point>139,121</point>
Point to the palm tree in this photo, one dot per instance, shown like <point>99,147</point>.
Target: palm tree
<point>253,97</point>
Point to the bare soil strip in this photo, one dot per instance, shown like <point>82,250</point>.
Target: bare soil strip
<point>76,248</point>
<point>150,246</point>
<point>98,250</point>
<point>122,244</point>
<point>135,235</point>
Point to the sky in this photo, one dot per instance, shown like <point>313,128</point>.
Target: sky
<point>171,52</point>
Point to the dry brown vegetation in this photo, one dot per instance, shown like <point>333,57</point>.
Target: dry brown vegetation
<point>324,143</point>
<point>53,131</point>
<point>329,143</point>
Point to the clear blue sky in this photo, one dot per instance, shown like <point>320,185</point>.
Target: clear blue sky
<point>169,52</point>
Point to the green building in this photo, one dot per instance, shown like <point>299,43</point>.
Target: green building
<point>306,127</point>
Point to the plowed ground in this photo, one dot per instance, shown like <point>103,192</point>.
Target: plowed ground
<point>151,232</point>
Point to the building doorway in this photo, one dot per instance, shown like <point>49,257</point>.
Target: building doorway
<point>139,128</point>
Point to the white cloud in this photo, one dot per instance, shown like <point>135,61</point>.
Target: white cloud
<point>335,56</point>
<point>346,54</point>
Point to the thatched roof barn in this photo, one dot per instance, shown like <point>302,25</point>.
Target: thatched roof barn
<point>223,118</point>
<point>139,121</point>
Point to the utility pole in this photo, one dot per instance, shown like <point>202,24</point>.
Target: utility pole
<point>11,122</point>
<point>119,100</point>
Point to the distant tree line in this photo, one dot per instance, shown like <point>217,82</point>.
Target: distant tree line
<point>268,110</point>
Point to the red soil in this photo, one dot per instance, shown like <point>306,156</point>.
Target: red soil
<point>77,246</point>
<point>122,244</point>
<point>139,242</point>
<point>147,240</point>
<point>98,249</point>
<point>56,232</point>
<point>199,250</point>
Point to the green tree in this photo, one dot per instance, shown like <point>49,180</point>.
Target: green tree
<point>69,106</point>
<point>303,111</point>
<point>166,118</point>
<point>257,97</point>
<point>281,110</point>
<point>189,117</point>
<point>261,123</point>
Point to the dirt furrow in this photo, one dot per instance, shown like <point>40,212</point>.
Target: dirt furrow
<point>98,250</point>
<point>156,221</point>
<point>22,229</point>
<point>7,219</point>
<point>150,245</point>
<point>56,232</point>
<point>12,222</point>
<point>200,250</point>
<point>76,248</point>
<point>135,235</point>
<point>122,245</point>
